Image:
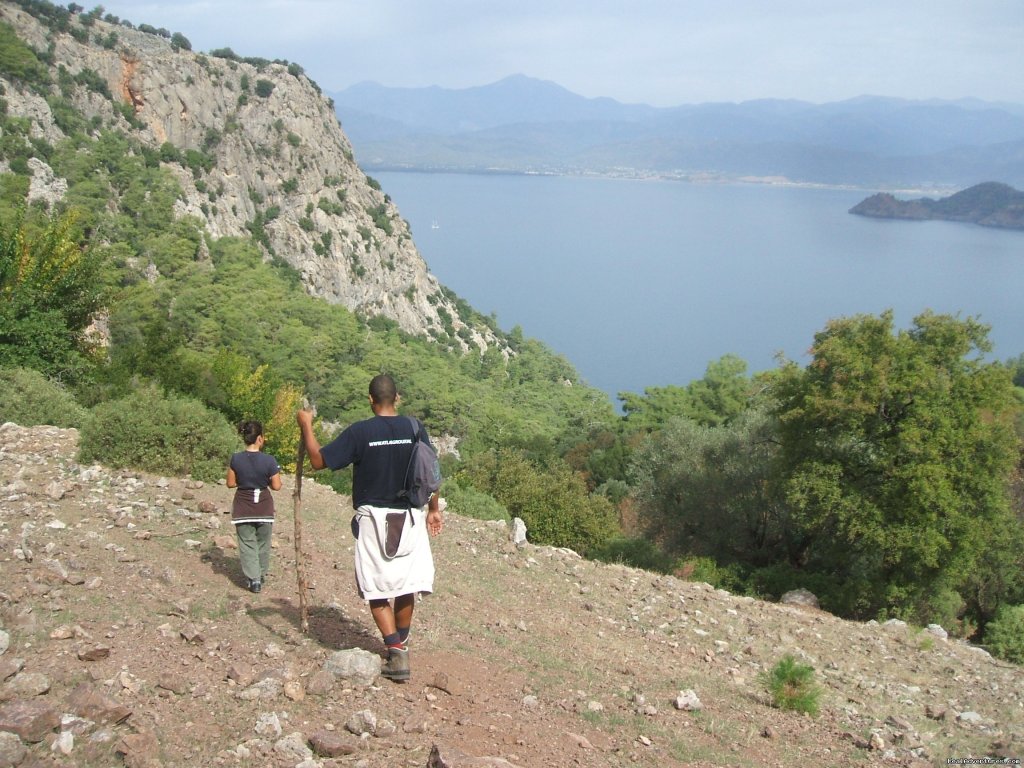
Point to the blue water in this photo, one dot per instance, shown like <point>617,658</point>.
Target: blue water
<point>643,283</point>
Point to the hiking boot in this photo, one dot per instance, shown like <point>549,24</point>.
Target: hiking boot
<point>396,668</point>
<point>255,585</point>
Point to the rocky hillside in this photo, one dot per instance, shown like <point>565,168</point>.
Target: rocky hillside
<point>256,148</point>
<point>126,637</point>
<point>990,205</point>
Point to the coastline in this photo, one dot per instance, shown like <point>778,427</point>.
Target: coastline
<point>688,177</point>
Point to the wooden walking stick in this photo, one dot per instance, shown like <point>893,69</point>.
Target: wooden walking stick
<point>300,563</point>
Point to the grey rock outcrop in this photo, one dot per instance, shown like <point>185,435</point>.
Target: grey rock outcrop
<point>354,665</point>
<point>800,597</point>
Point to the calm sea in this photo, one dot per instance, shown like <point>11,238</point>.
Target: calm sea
<point>643,283</point>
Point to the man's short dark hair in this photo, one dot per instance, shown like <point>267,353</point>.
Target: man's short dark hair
<point>383,390</point>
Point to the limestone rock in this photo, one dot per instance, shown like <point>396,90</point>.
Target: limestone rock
<point>94,705</point>
<point>139,750</point>
<point>268,724</point>
<point>332,744</point>
<point>355,665</point>
<point>30,720</point>
<point>241,673</point>
<point>518,532</point>
<point>320,683</point>
<point>25,685</point>
<point>93,652</point>
<point>362,722</point>
<point>449,757</point>
<point>687,701</point>
<point>293,747</point>
<point>800,597</point>
<point>416,723</point>
<point>12,749</point>
<point>174,682</point>
<point>10,667</point>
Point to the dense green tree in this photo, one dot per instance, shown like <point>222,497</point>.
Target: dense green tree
<point>720,395</point>
<point>1006,636</point>
<point>50,290</point>
<point>896,453</point>
<point>1016,368</point>
<point>705,491</point>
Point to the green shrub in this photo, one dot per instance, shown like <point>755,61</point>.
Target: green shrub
<point>28,398</point>
<point>470,502</point>
<point>707,570</point>
<point>549,497</point>
<point>178,40</point>
<point>944,607</point>
<point>792,686</point>
<point>160,433</point>
<point>638,553</point>
<point>18,60</point>
<point>1004,636</point>
<point>225,53</point>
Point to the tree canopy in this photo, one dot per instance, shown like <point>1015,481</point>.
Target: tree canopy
<point>50,290</point>
<point>896,447</point>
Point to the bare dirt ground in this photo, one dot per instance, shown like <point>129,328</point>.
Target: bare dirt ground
<point>123,587</point>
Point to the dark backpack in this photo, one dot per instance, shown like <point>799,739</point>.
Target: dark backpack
<point>423,475</point>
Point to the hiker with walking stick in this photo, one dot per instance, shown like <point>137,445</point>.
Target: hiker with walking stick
<point>393,559</point>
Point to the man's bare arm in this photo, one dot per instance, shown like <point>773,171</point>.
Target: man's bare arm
<point>312,445</point>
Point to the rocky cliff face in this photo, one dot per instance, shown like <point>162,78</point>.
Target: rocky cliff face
<point>275,156</point>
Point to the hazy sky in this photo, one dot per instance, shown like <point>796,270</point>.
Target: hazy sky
<point>660,52</point>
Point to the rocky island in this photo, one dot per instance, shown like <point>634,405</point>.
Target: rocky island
<point>990,204</point>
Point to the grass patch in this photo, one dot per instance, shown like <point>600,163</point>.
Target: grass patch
<point>792,686</point>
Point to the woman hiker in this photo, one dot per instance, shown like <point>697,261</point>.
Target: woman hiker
<point>252,472</point>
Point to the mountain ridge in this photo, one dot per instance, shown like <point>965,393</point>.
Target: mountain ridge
<point>521,124</point>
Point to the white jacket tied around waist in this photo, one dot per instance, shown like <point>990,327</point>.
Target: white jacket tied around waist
<point>381,576</point>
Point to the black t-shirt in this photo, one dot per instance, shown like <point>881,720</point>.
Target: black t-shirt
<point>253,469</point>
<point>380,449</point>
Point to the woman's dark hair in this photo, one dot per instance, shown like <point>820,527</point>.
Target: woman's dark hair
<point>250,430</point>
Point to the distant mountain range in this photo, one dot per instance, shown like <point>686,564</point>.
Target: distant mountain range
<point>990,205</point>
<point>520,124</point>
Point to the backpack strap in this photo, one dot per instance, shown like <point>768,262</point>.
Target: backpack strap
<point>416,427</point>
